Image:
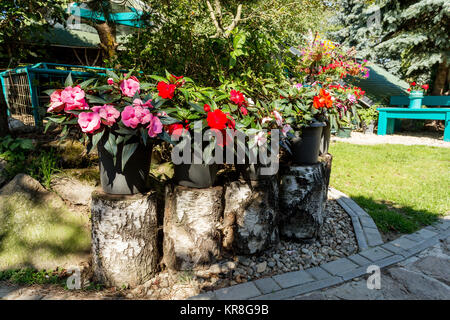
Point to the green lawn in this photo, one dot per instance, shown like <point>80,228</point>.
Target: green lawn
<point>402,187</point>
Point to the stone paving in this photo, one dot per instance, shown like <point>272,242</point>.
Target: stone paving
<point>413,269</point>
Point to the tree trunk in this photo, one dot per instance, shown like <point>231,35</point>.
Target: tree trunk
<point>303,195</point>
<point>191,227</point>
<point>440,80</point>
<point>124,238</point>
<point>4,129</point>
<point>107,35</point>
<point>251,215</point>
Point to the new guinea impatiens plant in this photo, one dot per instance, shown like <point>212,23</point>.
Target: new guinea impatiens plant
<point>113,111</point>
<point>415,86</point>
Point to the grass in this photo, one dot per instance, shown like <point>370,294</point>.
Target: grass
<point>402,187</point>
<point>40,234</point>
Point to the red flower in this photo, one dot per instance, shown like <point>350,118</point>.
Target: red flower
<point>217,119</point>
<point>175,129</point>
<point>166,90</point>
<point>237,97</point>
<point>409,90</point>
<point>413,84</point>
<point>244,111</point>
<point>231,123</point>
<point>207,108</point>
<point>425,87</point>
<point>322,100</point>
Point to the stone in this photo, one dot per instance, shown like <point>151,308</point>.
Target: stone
<point>250,215</point>
<point>73,190</point>
<point>261,267</point>
<point>191,227</point>
<point>215,268</point>
<point>419,285</point>
<point>267,285</point>
<point>303,194</point>
<point>31,188</point>
<point>339,266</point>
<point>291,279</point>
<point>238,292</point>
<point>435,267</point>
<point>376,253</point>
<point>124,238</point>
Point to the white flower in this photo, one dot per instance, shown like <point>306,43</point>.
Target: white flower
<point>278,118</point>
<point>260,138</point>
<point>266,119</point>
<point>250,102</point>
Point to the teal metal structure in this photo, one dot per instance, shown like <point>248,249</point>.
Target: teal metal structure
<point>23,87</point>
<point>388,116</point>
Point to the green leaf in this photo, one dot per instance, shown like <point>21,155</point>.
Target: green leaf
<point>86,83</point>
<point>111,147</point>
<point>127,152</point>
<point>69,81</point>
<point>158,78</point>
<point>49,91</point>
<point>96,138</point>
<point>196,107</point>
<point>113,75</point>
<point>168,120</point>
<point>95,99</point>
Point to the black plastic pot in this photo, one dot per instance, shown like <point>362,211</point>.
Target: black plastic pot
<point>133,179</point>
<point>251,172</point>
<point>195,175</point>
<point>325,139</point>
<point>305,148</point>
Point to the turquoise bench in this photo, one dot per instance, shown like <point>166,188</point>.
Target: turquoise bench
<point>387,116</point>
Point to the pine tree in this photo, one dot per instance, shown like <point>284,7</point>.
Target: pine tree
<point>411,39</point>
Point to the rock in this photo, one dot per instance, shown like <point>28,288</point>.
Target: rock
<point>303,194</point>
<point>253,207</point>
<point>419,285</point>
<point>124,238</point>
<point>276,256</point>
<point>271,264</point>
<point>191,221</point>
<point>215,268</point>
<point>25,185</point>
<point>436,267</point>
<point>261,267</point>
<point>72,190</point>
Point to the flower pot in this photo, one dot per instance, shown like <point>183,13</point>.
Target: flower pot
<point>133,179</point>
<point>415,99</point>
<point>252,172</point>
<point>305,148</point>
<point>325,139</point>
<point>195,175</point>
<point>344,132</point>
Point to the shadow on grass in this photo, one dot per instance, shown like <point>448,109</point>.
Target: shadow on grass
<point>390,217</point>
<point>35,235</point>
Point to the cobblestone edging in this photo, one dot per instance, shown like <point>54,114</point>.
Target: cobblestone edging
<point>291,284</point>
<point>366,231</point>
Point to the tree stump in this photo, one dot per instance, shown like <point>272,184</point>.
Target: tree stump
<point>303,195</point>
<point>124,238</point>
<point>250,215</point>
<point>191,226</point>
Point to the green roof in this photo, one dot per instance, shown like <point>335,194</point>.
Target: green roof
<point>76,38</point>
<point>381,85</point>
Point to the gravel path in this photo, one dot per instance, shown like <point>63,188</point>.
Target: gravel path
<point>407,138</point>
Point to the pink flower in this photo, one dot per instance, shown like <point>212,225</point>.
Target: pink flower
<point>56,103</point>
<point>110,81</point>
<point>108,113</point>
<point>140,103</point>
<point>266,119</point>
<point>89,121</point>
<point>244,111</point>
<point>155,126</point>
<point>278,118</point>
<point>74,99</point>
<point>298,85</point>
<point>351,98</point>
<point>260,138</point>
<point>286,128</point>
<point>130,86</point>
<point>133,116</point>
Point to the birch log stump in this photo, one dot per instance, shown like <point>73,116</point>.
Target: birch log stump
<point>250,216</point>
<point>191,227</point>
<point>124,238</point>
<point>303,196</point>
